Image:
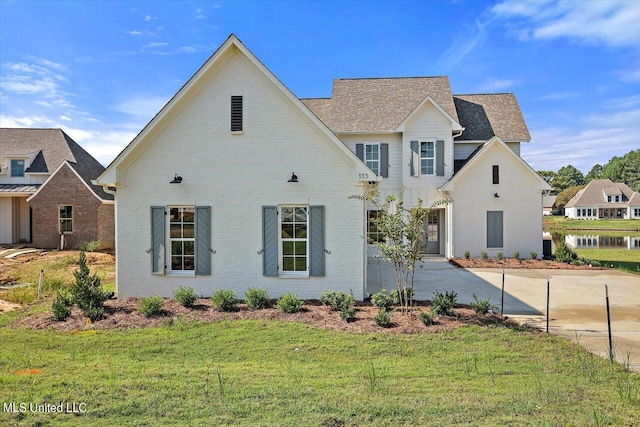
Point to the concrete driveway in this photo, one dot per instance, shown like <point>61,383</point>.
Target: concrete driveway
<point>577,299</point>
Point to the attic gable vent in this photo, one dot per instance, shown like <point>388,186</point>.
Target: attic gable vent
<point>236,114</point>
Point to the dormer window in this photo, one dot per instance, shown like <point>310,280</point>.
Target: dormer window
<point>17,168</point>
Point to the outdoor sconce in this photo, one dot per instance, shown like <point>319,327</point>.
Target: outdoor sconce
<point>294,177</point>
<point>496,195</point>
<point>176,180</point>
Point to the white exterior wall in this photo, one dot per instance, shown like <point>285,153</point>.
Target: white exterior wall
<point>427,124</point>
<point>571,212</point>
<point>14,220</point>
<point>236,175</point>
<point>520,200</point>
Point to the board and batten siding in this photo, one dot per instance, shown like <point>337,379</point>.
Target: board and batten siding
<point>236,175</point>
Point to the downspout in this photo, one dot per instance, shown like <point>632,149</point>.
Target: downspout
<point>106,189</point>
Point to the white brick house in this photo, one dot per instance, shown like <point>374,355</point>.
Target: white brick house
<point>207,197</point>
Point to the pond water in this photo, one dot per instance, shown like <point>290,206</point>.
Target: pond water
<point>597,241</point>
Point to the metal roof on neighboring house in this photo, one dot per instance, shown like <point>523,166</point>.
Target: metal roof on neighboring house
<point>594,194</point>
<point>381,104</point>
<point>53,147</point>
<point>19,188</point>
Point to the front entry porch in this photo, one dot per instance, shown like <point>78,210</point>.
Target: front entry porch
<point>15,220</point>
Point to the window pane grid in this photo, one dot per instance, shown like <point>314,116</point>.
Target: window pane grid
<point>427,158</point>
<point>182,237</point>
<point>17,168</point>
<point>372,157</point>
<point>293,233</point>
<point>65,218</point>
<point>373,233</point>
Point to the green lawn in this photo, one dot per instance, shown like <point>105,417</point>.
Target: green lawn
<point>275,373</point>
<point>620,258</point>
<point>557,223</point>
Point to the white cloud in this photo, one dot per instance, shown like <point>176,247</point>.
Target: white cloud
<point>462,46</point>
<point>612,22</point>
<point>104,145</point>
<point>498,84</point>
<point>592,139</point>
<point>27,121</point>
<point>134,33</point>
<point>554,96</point>
<point>199,14</point>
<point>186,49</point>
<point>65,118</point>
<point>142,107</point>
<point>148,18</point>
<point>29,79</point>
<point>630,75</point>
<point>156,44</point>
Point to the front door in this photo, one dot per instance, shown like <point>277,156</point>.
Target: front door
<point>433,232</point>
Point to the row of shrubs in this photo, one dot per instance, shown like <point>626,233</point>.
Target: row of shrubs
<point>499,255</point>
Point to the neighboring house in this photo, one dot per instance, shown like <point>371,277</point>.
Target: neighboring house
<point>547,204</point>
<point>604,199</point>
<point>236,182</point>
<point>46,191</point>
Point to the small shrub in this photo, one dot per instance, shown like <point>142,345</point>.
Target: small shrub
<point>563,253</point>
<point>348,313</point>
<point>395,295</point>
<point>534,254</point>
<point>443,304</point>
<point>257,299</point>
<point>337,300</point>
<point>481,306</point>
<point>87,292</point>
<point>62,306</point>
<point>499,256</point>
<point>467,254</point>
<point>91,246</point>
<point>516,255</point>
<point>426,318</point>
<point>383,319</point>
<point>225,300</point>
<point>382,300</point>
<point>185,296</point>
<point>150,306</point>
<point>289,303</point>
<point>484,255</point>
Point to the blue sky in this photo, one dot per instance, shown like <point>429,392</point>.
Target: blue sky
<point>100,70</point>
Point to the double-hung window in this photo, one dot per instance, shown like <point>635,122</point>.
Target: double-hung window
<point>373,232</point>
<point>427,158</point>
<point>294,240</point>
<point>17,168</point>
<point>372,157</point>
<point>65,219</point>
<point>182,238</point>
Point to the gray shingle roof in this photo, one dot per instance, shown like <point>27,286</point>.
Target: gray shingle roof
<point>378,104</point>
<point>53,147</point>
<point>487,115</point>
<point>381,104</point>
<point>594,194</point>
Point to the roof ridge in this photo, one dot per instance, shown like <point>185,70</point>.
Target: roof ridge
<point>485,93</point>
<point>392,78</point>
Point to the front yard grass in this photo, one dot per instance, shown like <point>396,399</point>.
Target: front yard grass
<point>267,372</point>
<point>558,223</point>
<point>623,259</point>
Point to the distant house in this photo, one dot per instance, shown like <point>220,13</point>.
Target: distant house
<point>604,199</point>
<point>46,191</point>
<point>547,204</point>
<point>236,182</point>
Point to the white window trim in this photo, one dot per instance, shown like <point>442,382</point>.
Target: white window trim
<point>169,239</point>
<point>281,272</point>
<point>420,142</point>
<point>24,167</point>
<point>372,143</point>
<point>369,227</point>
<point>60,219</point>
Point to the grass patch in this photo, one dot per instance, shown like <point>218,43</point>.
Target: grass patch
<point>558,223</point>
<point>58,274</point>
<point>276,373</point>
<point>622,259</point>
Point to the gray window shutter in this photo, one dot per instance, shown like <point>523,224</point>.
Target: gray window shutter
<point>157,239</point>
<point>316,241</point>
<point>384,160</point>
<point>203,240</point>
<point>415,154</point>
<point>440,158</point>
<point>270,240</point>
<point>360,151</point>
<point>494,229</point>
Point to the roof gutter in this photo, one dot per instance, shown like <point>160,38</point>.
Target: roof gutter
<point>459,133</point>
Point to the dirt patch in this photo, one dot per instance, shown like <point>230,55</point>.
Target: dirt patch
<point>8,306</point>
<point>512,263</point>
<point>124,314</point>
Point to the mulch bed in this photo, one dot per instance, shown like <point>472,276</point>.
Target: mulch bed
<point>123,314</point>
<point>512,263</point>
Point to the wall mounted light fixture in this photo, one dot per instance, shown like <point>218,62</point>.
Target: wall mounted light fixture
<point>294,177</point>
<point>496,195</point>
<point>176,180</point>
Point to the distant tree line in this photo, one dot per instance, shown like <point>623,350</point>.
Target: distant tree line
<point>568,180</point>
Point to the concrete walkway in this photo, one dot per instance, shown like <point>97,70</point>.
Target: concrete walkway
<point>577,307</point>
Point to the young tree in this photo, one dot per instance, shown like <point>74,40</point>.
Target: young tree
<point>403,240</point>
<point>87,292</point>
